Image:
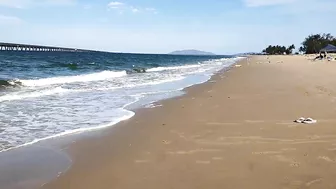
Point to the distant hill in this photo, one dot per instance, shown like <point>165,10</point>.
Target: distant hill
<point>191,52</point>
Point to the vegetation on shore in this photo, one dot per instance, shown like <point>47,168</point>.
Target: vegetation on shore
<point>279,49</point>
<point>311,45</point>
<point>314,43</point>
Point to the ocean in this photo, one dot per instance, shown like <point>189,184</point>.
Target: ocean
<point>51,94</point>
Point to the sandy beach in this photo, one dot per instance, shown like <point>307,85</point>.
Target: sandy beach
<point>235,131</point>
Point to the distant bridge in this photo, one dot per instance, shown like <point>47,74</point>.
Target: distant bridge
<point>36,48</point>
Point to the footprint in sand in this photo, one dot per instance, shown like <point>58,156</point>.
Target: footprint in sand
<point>302,90</point>
<point>325,90</point>
<point>294,165</point>
<point>291,161</point>
<point>166,142</point>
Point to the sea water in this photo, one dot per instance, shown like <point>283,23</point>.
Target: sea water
<point>51,94</point>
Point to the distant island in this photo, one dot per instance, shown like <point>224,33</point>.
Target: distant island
<point>191,52</point>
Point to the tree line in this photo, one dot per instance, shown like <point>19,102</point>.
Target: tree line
<point>311,45</point>
<point>279,49</point>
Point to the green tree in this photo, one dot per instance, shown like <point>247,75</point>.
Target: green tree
<point>290,49</point>
<point>314,43</point>
<point>273,50</point>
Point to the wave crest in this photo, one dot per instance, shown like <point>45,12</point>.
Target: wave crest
<point>20,96</point>
<point>159,69</point>
<point>104,75</point>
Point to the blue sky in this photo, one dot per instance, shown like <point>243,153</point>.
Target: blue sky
<point>153,26</point>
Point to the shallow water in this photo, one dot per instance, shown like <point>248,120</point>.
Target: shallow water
<point>47,95</point>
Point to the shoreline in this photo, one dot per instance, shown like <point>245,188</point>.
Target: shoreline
<point>139,112</point>
<point>143,106</point>
<point>59,145</point>
<point>234,131</point>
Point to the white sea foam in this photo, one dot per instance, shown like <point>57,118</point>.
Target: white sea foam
<point>62,91</point>
<point>35,94</point>
<point>156,82</point>
<point>153,105</point>
<point>208,63</point>
<point>127,114</point>
<point>103,97</point>
<point>141,83</point>
<point>74,79</point>
<point>159,69</point>
<point>76,131</point>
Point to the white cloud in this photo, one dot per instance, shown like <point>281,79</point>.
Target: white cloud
<point>259,3</point>
<point>9,20</point>
<point>20,4</point>
<point>115,5</point>
<point>123,7</point>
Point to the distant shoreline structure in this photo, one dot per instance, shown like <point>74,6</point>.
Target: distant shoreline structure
<point>37,48</point>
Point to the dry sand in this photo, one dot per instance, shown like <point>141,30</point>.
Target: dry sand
<point>235,131</point>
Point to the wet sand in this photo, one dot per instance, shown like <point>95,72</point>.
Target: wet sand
<point>235,131</point>
<point>31,166</point>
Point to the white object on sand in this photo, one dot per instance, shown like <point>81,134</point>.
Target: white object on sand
<point>238,65</point>
<point>300,120</point>
<point>309,121</point>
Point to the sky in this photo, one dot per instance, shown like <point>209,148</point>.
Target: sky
<point>162,26</point>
